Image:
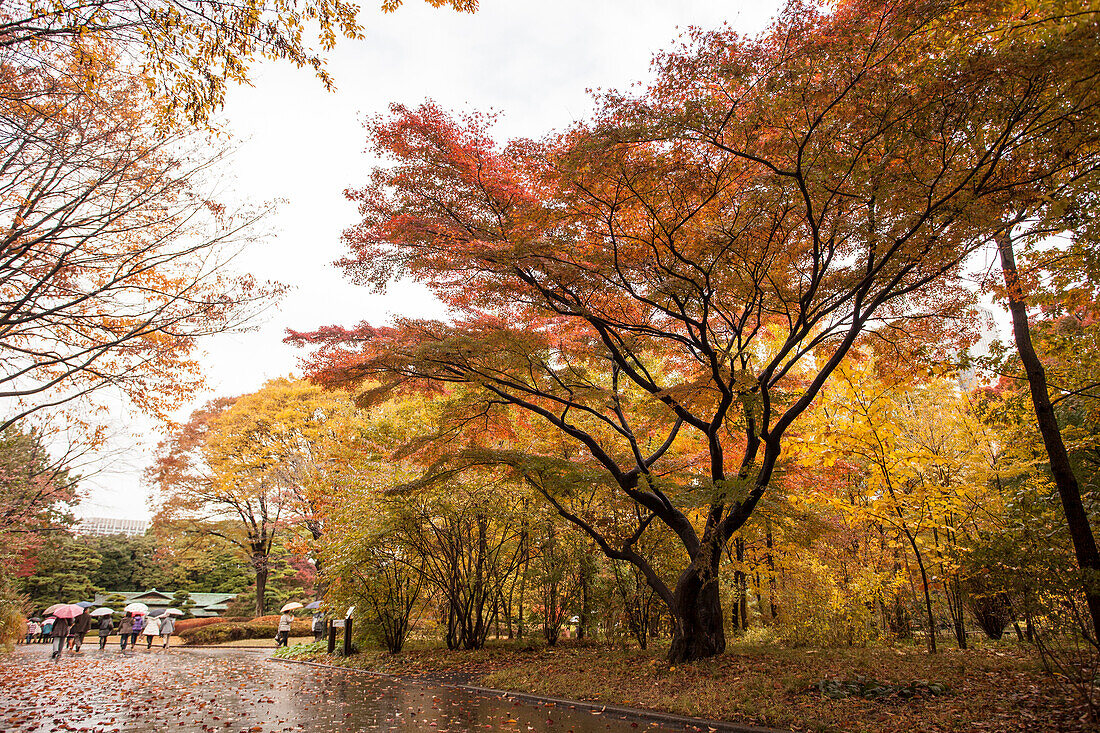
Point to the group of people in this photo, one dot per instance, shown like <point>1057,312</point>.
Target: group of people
<point>134,625</point>
<point>69,633</point>
<point>39,633</point>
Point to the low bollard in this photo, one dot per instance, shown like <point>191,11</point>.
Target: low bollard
<point>331,636</point>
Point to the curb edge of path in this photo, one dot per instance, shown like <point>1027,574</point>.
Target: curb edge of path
<point>196,647</point>
<point>653,715</point>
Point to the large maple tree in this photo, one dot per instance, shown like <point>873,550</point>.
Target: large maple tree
<point>680,275</point>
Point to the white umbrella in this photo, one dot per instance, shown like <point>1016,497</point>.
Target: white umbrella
<point>136,608</point>
<point>172,612</point>
<point>102,611</point>
<point>292,606</point>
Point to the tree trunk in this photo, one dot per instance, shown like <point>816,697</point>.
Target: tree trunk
<point>759,599</point>
<point>927,600</point>
<point>526,552</point>
<point>698,630</point>
<point>958,620</point>
<point>740,612</point>
<point>586,577</point>
<point>772,608</point>
<point>1084,544</point>
<point>260,565</point>
<point>959,614</point>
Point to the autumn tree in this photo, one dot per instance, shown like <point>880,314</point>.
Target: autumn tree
<point>208,492</point>
<point>1065,280</point>
<point>690,267</point>
<point>465,539</point>
<point>257,467</point>
<point>190,52</point>
<point>115,259</point>
<point>1052,47</point>
<point>368,568</point>
<point>308,435</point>
<point>37,489</point>
<point>923,465</point>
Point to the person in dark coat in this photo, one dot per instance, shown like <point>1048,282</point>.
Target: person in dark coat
<point>106,626</point>
<point>125,629</point>
<point>81,626</point>
<point>58,633</point>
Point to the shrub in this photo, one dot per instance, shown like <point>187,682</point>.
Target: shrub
<point>197,623</point>
<point>302,650</point>
<point>267,626</point>
<point>222,630</point>
<point>872,689</point>
<point>13,614</point>
<point>819,612</point>
<point>215,633</point>
<point>12,623</point>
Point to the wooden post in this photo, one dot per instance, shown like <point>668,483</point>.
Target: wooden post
<point>347,637</point>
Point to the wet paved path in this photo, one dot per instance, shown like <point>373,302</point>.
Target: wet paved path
<point>238,691</point>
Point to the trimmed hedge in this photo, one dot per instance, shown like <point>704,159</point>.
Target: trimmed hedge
<point>185,624</point>
<point>220,631</point>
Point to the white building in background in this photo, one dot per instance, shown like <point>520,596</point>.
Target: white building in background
<point>102,526</point>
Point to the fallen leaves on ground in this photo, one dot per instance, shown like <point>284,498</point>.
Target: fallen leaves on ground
<point>987,689</point>
<point>234,691</point>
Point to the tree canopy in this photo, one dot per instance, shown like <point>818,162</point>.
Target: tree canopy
<point>682,274</point>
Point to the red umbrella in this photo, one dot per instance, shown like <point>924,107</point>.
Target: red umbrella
<point>69,610</point>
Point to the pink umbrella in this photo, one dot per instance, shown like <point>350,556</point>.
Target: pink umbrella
<point>69,610</point>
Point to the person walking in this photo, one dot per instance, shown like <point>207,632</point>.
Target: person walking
<point>139,626</point>
<point>33,630</point>
<point>167,626</point>
<point>106,626</point>
<point>285,622</point>
<point>151,630</point>
<point>81,626</point>
<point>125,629</point>
<point>318,626</point>
<point>59,633</point>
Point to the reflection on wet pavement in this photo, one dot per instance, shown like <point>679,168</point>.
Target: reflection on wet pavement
<point>240,691</point>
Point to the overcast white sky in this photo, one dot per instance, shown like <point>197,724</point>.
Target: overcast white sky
<point>530,61</point>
